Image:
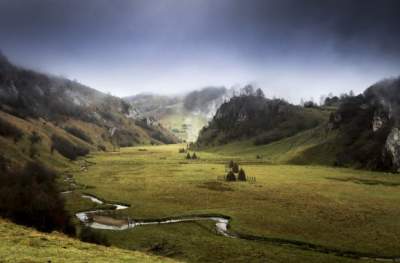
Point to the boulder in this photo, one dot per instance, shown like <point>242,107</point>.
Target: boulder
<point>392,147</point>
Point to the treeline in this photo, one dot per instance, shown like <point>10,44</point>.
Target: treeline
<point>67,148</point>
<point>29,196</point>
<point>251,115</point>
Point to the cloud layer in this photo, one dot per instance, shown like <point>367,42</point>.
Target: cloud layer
<point>291,48</point>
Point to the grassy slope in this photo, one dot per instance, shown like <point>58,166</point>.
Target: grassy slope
<point>22,244</point>
<point>19,152</point>
<point>339,208</point>
<point>177,118</point>
<point>315,146</point>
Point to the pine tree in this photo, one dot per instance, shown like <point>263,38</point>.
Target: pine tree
<point>242,175</point>
<point>235,168</point>
<point>188,156</point>
<point>230,177</point>
<point>194,156</point>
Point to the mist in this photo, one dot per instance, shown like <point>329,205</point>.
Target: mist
<point>291,49</point>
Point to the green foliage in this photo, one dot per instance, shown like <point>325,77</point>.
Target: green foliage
<point>30,197</point>
<point>91,236</point>
<point>230,177</point>
<point>79,134</point>
<point>34,138</point>
<point>235,168</point>
<point>241,175</point>
<point>264,120</point>
<point>101,147</point>
<point>9,130</point>
<point>67,148</point>
<point>182,150</point>
<point>361,146</point>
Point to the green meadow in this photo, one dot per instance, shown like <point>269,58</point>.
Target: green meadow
<point>336,208</point>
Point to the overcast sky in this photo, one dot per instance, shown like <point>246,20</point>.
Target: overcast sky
<point>290,48</point>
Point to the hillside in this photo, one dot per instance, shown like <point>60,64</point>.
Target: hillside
<point>64,113</point>
<point>358,131</point>
<point>22,244</point>
<point>183,115</point>
<point>368,128</point>
<point>252,116</point>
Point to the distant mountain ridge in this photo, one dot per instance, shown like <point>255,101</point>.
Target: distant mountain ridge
<point>184,115</point>
<point>70,110</point>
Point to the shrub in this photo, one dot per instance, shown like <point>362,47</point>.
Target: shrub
<point>67,149</point>
<point>30,197</point>
<point>101,147</point>
<point>79,134</point>
<point>88,235</point>
<point>188,156</point>
<point>230,176</point>
<point>242,175</point>
<point>182,150</point>
<point>194,156</point>
<point>235,168</point>
<point>9,130</point>
<point>35,138</point>
<point>33,151</point>
<point>4,163</point>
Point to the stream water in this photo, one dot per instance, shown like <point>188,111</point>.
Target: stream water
<point>221,224</point>
<point>98,219</point>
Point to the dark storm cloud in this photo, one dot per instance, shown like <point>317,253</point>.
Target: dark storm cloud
<point>196,42</point>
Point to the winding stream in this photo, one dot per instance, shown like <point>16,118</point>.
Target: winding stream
<point>95,219</point>
<point>108,223</point>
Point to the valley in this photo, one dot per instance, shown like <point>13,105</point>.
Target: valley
<point>287,205</point>
<point>263,131</point>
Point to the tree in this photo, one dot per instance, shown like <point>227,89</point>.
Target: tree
<point>260,93</point>
<point>235,168</point>
<point>194,156</point>
<point>230,177</point>
<point>248,90</point>
<point>242,175</point>
<point>188,156</point>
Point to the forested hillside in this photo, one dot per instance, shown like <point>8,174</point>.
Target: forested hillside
<point>47,117</point>
<point>360,131</point>
<point>252,116</point>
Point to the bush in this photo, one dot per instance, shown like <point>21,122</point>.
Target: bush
<point>101,148</point>
<point>30,197</point>
<point>9,130</point>
<point>79,134</point>
<point>88,235</point>
<point>182,150</point>
<point>235,168</point>
<point>230,177</point>
<point>242,175</point>
<point>35,138</point>
<point>188,156</point>
<point>67,149</point>
<point>194,156</point>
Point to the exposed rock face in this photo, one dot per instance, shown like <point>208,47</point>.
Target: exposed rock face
<point>393,148</point>
<point>377,123</point>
